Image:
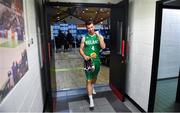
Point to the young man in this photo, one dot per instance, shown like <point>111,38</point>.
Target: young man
<point>90,46</point>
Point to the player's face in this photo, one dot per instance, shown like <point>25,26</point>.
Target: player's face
<point>90,29</point>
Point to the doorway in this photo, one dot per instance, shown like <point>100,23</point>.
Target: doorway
<point>165,69</point>
<point>115,34</point>
<point>67,65</point>
<point>117,47</point>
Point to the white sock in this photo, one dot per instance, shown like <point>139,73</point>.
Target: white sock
<point>91,101</point>
<point>94,92</point>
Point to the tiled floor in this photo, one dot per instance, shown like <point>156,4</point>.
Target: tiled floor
<point>104,100</point>
<point>166,95</point>
<point>101,105</point>
<point>69,73</point>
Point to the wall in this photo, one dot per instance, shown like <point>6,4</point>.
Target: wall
<point>141,37</point>
<point>169,61</point>
<point>26,96</point>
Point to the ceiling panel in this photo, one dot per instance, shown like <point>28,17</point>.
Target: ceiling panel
<point>88,1</point>
<point>57,13</point>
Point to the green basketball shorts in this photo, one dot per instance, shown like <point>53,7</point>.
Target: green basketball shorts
<point>89,74</point>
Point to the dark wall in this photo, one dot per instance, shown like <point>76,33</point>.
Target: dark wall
<point>43,46</point>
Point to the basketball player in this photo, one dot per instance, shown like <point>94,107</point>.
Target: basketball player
<point>90,46</point>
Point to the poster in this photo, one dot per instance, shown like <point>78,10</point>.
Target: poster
<point>13,52</point>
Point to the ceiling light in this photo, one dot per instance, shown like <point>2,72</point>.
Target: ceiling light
<point>82,11</point>
<point>86,9</point>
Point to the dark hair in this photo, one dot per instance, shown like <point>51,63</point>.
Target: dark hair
<point>88,22</point>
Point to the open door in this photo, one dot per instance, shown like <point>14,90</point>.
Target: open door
<point>119,23</point>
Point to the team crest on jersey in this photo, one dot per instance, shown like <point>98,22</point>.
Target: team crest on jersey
<point>92,42</point>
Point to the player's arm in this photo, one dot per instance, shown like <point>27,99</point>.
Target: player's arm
<point>101,40</point>
<point>81,50</point>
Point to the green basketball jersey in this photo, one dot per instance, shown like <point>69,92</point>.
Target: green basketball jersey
<point>91,45</point>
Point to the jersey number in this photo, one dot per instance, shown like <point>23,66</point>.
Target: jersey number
<point>93,48</point>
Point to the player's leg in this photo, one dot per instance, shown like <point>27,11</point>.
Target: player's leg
<point>95,74</point>
<point>93,83</point>
<point>89,88</point>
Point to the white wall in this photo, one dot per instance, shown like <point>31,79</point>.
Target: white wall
<point>169,61</point>
<point>26,96</point>
<point>141,37</point>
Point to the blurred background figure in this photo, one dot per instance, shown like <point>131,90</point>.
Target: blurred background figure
<point>69,39</point>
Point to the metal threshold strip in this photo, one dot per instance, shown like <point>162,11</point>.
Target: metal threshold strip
<point>66,69</point>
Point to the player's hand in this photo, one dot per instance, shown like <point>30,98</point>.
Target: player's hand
<point>97,33</point>
<point>87,58</point>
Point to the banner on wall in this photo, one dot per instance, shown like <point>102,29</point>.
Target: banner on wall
<point>13,58</point>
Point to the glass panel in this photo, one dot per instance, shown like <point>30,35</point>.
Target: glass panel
<point>119,37</point>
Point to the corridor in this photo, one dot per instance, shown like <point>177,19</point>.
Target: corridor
<point>41,69</point>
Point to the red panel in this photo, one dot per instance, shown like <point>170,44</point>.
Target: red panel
<point>117,93</point>
<point>49,51</point>
<point>123,48</point>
